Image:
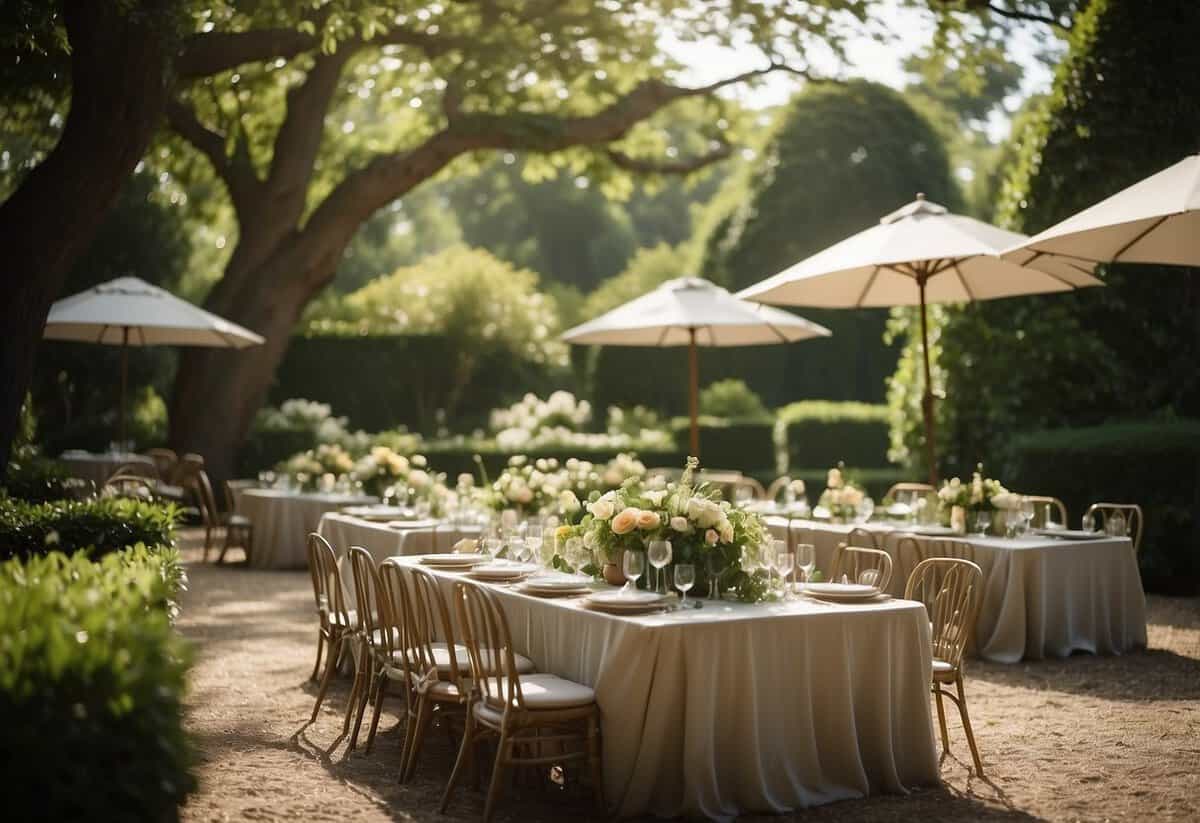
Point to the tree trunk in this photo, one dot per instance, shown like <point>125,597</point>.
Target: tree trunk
<point>117,98</point>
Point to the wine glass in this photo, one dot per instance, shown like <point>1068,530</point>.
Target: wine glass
<point>1027,513</point>
<point>659,554</point>
<point>492,545</point>
<point>785,562</point>
<point>767,552</point>
<point>1012,519</point>
<point>743,495</point>
<point>983,519</point>
<point>533,542</point>
<point>685,578</point>
<point>1088,522</point>
<point>806,559</point>
<point>865,509</point>
<point>750,561</point>
<point>633,564</point>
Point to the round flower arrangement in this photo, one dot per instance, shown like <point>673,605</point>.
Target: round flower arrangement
<point>545,486</point>
<point>704,530</point>
<point>841,497</point>
<point>981,494</point>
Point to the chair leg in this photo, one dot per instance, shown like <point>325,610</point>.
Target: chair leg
<point>498,771</point>
<point>360,661</point>
<point>593,743</point>
<point>225,545</point>
<point>365,696</point>
<point>941,710</point>
<point>207,541</point>
<point>380,691</point>
<point>421,726</point>
<point>249,543</point>
<point>330,665</point>
<point>966,721</point>
<point>464,756</point>
<point>320,648</point>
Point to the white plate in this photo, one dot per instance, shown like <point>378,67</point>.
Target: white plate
<point>411,524</point>
<point>933,530</point>
<point>554,582</point>
<point>1071,534</point>
<point>377,512</point>
<point>631,611</point>
<point>841,591</point>
<point>529,587</point>
<point>632,600</point>
<point>503,571</point>
<point>453,559</point>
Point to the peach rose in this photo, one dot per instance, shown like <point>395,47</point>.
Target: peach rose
<point>711,537</point>
<point>626,521</point>
<point>648,520</point>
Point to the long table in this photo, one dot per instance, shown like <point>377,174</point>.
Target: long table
<point>283,520</point>
<point>1042,596</point>
<point>736,708</point>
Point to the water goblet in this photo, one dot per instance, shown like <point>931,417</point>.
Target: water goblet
<point>806,559</point>
<point>767,552</point>
<point>491,546</point>
<point>533,548</point>
<point>982,521</point>
<point>685,578</point>
<point>633,564</point>
<point>659,554</point>
<point>785,563</point>
<point>1027,513</point>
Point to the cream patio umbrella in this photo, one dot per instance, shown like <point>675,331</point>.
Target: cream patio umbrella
<point>129,311</point>
<point>1154,221</point>
<point>917,255</point>
<point>693,312</point>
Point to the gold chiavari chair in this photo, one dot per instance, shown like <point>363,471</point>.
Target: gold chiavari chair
<point>337,624</point>
<point>777,485</point>
<point>1042,507</point>
<point>395,598</point>
<point>1132,513</point>
<point>128,481</point>
<point>526,712</point>
<point>164,461</point>
<point>862,538</point>
<point>871,567</point>
<point>237,528</point>
<point>951,589</point>
<point>374,638</point>
<point>757,492</point>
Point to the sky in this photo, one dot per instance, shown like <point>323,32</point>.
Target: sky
<point>908,30</point>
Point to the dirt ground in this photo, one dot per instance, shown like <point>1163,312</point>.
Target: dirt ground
<point>1089,738</point>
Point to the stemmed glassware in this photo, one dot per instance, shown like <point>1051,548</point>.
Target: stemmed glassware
<point>1027,513</point>
<point>806,559</point>
<point>533,542</point>
<point>1088,522</point>
<point>685,578</point>
<point>633,564</point>
<point>785,561</point>
<point>766,559</point>
<point>659,554</point>
<point>492,545</point>
<point>983,519</point>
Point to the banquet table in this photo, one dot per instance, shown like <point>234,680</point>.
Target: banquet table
<point>735,708</point>
<point>99,466</point>
<point>1042,596</point>
<point>284,519</point>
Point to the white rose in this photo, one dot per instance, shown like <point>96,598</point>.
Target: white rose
<point>655,497</point>
<point>524,494</point>
<point>568,501</point>
<point>589,540</point>
<point>834,479</point>
<point>725,530</point>
<point>466,480</point>
<point>602,509</point>
<point>679,524</point>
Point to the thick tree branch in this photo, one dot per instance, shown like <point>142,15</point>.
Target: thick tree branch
<point>639,165</point>
<point>1017,14</point>
<point>237,174</point>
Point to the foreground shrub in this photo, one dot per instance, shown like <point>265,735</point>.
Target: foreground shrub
<point>1154,464</point>
<point>37,479</point>
<point>97,527</point>
<point>91,683</point>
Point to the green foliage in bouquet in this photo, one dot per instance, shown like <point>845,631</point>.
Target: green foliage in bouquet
<point>91,683</point>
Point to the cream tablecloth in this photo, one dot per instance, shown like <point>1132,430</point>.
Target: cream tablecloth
<point>99,467</point>
<point>738,708</point>
<point>283,520</point>
<point>1043,597</point>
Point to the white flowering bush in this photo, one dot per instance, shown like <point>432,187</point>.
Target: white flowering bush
<point>299,414</point>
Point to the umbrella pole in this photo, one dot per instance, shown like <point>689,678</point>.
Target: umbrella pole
<point>124,378</point>
<point>927,399</point>
<point>693,393</point>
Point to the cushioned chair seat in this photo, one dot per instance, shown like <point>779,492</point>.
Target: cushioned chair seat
<point>237,520</point>
<point>942,667</point>
<point>441,658</point>
<point>541,692</point>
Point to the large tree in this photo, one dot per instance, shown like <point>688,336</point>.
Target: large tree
<point>263,101</point>
<point>113,57</point>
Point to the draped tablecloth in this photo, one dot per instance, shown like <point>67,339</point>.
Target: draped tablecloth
<point>1042,597</point>
<point>98,467</point>
<point>736,708</point>
<point>283,520</point>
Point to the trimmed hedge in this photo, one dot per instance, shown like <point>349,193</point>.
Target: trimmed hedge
<point>747,445</point>
<point>96,527</point>
<point>265,449</point>
<point>91,682</point>
<point>36,479</point>
<point>821,433</point>
<point>1154,464</point>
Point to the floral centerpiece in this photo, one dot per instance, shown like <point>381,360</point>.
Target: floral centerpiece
<point>841,497</point>
<point>982,494</point>
<point>545,486</point>
<point>704,530</point>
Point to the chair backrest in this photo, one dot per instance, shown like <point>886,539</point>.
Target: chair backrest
<point>862,565</point>
<point>489,646</point>
<point>206,500</point>
<point>164,461</point>
<point>127,483</point>
<point>326,581</point>
<point>186,468</point>
<point>234,486</point>
<point>863,538</point>
<point>1132,513</point>
<point>1043,507</point>
<point>430,621</point>
<point>911,550</point>
<point>756,488</point>
<point>777,485</point>
<point>951,589</point>
<point>395,595</point>
<point>366,593</point>
<point>914,489</point>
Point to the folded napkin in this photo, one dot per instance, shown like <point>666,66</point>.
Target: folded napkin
<point>466,546</point>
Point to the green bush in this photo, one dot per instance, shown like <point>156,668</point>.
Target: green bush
<point>815,433</point>
<point>91,683</point>
<point>97,527</point>
<point>1154,464</point>
<point>36,479</point>
<point>731,398</point>
<point>746,445</point>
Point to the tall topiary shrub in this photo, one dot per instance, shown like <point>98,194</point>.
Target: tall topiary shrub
<point>1125,104</point>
